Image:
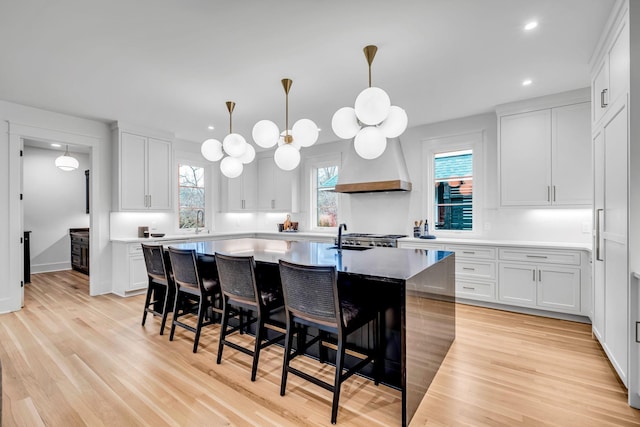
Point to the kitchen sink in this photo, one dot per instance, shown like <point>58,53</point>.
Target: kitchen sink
<point>352,248</point>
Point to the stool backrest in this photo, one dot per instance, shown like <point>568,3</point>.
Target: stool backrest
<point>155,262</point>
<point>311,292</point>
<point>236,275</point>
<point>185,269</point>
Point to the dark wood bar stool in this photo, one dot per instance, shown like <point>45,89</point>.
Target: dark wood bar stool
<point>313,299</point>
<point>161,289</point>
<point>194,292</point>
<point>251,302</point>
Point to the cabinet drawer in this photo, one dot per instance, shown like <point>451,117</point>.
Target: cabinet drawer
<point>475,290</point>
<point>472,251</point>
<point>541,256</point>
<point>420,245</point>
<point>481,270</point>
<point>135,248</point>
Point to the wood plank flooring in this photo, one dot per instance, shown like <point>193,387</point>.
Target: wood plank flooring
<point>73,360</point>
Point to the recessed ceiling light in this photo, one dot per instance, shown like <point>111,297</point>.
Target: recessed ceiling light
<point>526,82</point>
<point>56,145</point>
<point>210,127</point>
<point>531,25</point>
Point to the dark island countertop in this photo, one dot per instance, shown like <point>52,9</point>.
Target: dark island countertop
<point>386,264</point>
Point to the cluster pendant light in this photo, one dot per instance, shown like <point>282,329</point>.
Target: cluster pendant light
<point>66,162</point>
<point>304,133</point>
<point>372,120</point>
<point>239,151</point>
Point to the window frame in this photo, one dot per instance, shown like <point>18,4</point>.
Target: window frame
<point>451,143</point>
<point>312,172</point>
<point>209,219</point>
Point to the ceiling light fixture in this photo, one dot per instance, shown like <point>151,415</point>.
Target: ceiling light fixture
<point>530,26</point>
<point>526,82</point>
<point>56,145</point>
<point>66,162</point>
<point>239,151</point>
<point>373,119</point>
<point>304,133</point>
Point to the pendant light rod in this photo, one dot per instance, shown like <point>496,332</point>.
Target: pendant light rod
<point>286,84</point>
<point>370,53</point>
<point>230,106</point>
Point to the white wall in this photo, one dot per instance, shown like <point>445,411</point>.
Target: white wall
<point>54,201</point>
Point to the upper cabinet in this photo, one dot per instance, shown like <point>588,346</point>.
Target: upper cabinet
<point>241,194</point>
<point>143,178</point>
<point>276,188</point>
<point>611,75</point>
<point>545,156</point>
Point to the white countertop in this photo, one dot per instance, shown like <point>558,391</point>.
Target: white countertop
<point>224,235</point>
<point>520,243</point>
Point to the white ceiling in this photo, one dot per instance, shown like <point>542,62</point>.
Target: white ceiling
<point>171,64</point>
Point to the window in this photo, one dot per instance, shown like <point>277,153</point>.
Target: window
<point>325,197</point>
<point>191,196</point>
<point>453,192</point>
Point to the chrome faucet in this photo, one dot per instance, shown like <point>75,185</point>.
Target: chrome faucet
<point>340,227</point>
<point>199,220</point>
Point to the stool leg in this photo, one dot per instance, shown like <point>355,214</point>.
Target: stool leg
<point>223,330</point>
<point>287,351</point>
<point>256,352</point>
<point>338,380</point>
<point>175,316</point>
<point>147,301</point>
<point>201,311</point>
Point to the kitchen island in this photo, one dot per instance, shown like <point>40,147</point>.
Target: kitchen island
<point>415,287</point>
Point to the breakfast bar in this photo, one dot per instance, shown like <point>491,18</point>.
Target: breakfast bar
<point>415,287</point>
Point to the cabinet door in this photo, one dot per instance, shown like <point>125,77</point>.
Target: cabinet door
<point>266,184</point>
<point>619,66</point>
<point>235,201</point>
<point>283,182</point>
<point>159,176</point>
<point>137,273</point>
<point>559,288</point>
<point>571,155</point>
<point>525,159</point>
<point>599,89</point>
<point>250,186</point>
<point>517,284</point>
<point>133,172</point>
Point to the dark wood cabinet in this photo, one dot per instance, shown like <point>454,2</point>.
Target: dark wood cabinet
<point>80,249</point>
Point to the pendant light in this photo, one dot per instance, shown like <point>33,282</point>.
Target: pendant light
<point>304,133</point>
<point>372,120</point>
<point>239,151</point>
<point>66,162</point>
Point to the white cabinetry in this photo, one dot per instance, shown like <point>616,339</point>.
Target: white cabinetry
<point>276,188</point>
<point>143,178</point>
<point>549,280</point>
<point>241,193</point>
<point>545,157</point>
<point>475,271</point>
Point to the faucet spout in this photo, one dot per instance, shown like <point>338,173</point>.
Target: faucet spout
<point>340,228</point>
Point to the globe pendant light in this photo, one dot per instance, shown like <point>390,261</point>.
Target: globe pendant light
<point>304,133</point>
<point>66,162</point>
<point>372,120</point>
<point>238,151</point>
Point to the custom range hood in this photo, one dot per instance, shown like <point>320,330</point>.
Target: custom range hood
<point>385,173</point>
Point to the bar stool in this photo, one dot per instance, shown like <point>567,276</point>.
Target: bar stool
<point>161,289</point>
<point>241,291</point>
<point>312,299</point>
<point>194,292</point>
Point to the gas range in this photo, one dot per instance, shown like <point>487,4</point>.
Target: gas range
<point>365,239</point>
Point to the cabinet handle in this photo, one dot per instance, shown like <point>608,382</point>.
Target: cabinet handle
<point>534,274</point>
<point>554,193</point>
<point>469,288</point>
<point>469,268</point>
<point>273,204</point>
<point>537,256</point>
<point>539,275</point>
<point>149,200</point>
<point>548,193</point>
<point>242,203</point>
<point>146,200</point>
<point>602,95</point>
<point>599,213</point>
<point>468,252</point>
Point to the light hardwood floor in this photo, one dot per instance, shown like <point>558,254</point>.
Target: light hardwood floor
<point>70,359</point>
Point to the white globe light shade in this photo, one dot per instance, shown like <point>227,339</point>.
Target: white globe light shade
<point>248,155</point>
<point>345,123</point>
<point>293,143</point>
<point>395,123</point>
<point>372,105</point>
<point>305,132</point>
<point>211,149</point>
<point>234,145</point>
<point>287,157</point>
<point>265,133</point>
<point>231,167</point>
<point>370,143</point>
<point>67,163</point>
